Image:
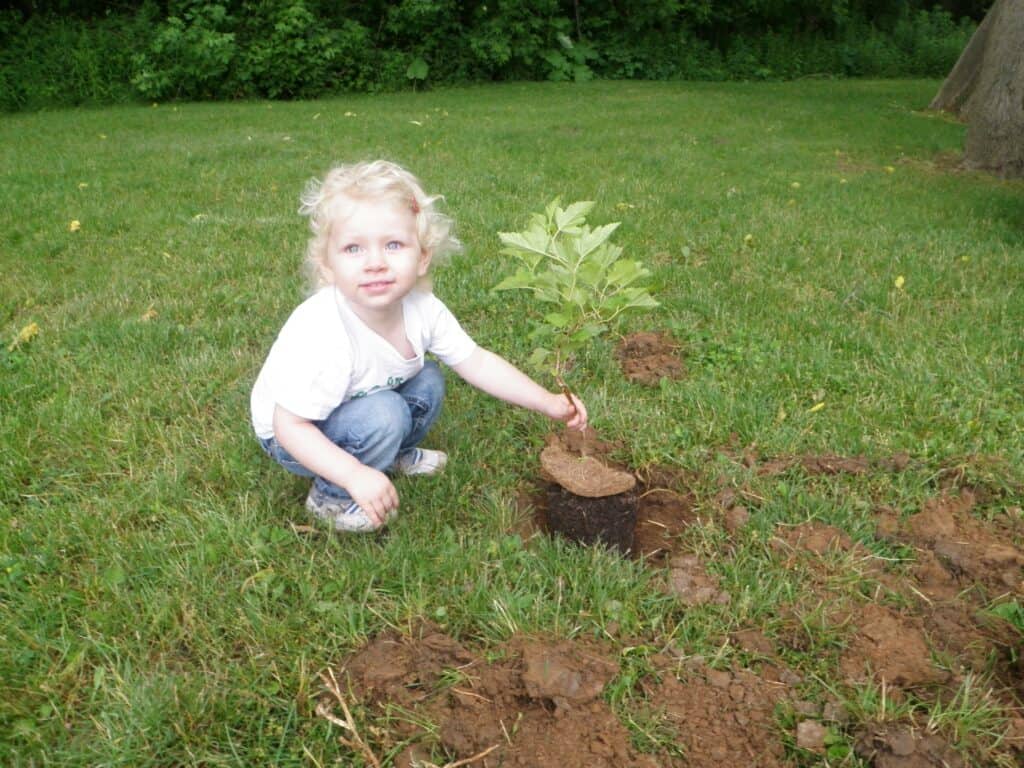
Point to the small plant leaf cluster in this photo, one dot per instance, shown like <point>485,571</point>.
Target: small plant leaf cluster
<point>577,274</point>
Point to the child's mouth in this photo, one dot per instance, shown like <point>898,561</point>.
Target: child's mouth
<point>377,286</point>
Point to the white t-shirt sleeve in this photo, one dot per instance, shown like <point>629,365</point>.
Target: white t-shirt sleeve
<point>304,380</point>
<point>446,339</point>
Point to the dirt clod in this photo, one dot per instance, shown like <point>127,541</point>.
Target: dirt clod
<point>647,357</point>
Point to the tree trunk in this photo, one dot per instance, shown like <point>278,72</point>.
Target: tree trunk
<point>986,87</point>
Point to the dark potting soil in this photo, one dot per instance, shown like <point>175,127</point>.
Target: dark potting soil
<point>609,520</point>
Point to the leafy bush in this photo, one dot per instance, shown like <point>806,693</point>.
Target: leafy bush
<point>190,56</point>
<point>291,53</point>
<point>46,61</point>
<point>306,48</point>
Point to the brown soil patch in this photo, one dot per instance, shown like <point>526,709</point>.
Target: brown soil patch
<point>539,703</point>
<point>961,564</point>
<point>722,717</point>
<point>834,465</point>
<point>813,537</point>
<point>692,584</point>
<point>957,555</point>
<point>648,357</point>
<point>664,510</point>
<point>891,647</point>
<point>902,746</point>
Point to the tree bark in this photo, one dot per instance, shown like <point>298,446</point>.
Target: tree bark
<point>986,87</point>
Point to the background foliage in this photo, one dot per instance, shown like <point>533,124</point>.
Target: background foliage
<point>54,52</point>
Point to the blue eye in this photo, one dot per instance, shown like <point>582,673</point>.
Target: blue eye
<point>394,245</point>
<point>350,248</point>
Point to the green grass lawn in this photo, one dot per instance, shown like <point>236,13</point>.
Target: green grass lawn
<point>836,286</point>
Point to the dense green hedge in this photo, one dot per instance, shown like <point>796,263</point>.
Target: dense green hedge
<point>183,49</point>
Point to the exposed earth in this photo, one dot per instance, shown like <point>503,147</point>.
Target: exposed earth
<point>918,630</point>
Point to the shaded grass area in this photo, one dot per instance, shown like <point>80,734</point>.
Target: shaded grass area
<point>160,607</point>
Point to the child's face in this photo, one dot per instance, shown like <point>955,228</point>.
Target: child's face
<point>374,255</point>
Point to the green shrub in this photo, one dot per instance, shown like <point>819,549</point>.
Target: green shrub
<point>291,54</point>
<point>49,60</point>
<point>307,48</point>
<point>190,56</point>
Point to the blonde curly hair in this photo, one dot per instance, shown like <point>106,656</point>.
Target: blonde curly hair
<point>332,199</point>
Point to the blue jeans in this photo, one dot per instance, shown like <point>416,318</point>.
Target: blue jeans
<point>375,428</point>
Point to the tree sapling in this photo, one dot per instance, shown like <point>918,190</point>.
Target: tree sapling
<point>579,276</point>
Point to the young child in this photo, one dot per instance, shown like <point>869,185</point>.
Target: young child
<point>345,395</point>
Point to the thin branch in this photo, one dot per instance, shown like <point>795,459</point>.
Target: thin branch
<point>356,743</point>
<point>473,759</point>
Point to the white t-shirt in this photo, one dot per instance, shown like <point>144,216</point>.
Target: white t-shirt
<point>325,355</point>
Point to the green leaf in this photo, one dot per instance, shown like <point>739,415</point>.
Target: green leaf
<point>522,279</point>
<point>575,214</point>
<point>624,272</point>
<point>588,332</point>
<point>418,69</point>
<point>556,319</point>
<point>591,239</point>
<point>539,358</point>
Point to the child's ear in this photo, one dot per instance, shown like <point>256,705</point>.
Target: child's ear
<point>425,255</point>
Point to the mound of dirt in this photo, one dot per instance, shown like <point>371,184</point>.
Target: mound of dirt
<point>902,746</point>
<point>722,717</point>
<point>833,465</point>
<point>648,357</point>
<point>538,703</point>
<point>969,551</point>
<point>891,647</point>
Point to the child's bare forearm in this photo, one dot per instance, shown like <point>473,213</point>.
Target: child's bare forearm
<point>311,448</point>
<point>497,377</point>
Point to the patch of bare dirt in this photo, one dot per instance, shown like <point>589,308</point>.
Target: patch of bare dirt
<point>664,509</point>
<point>902,746</point>
<point>961,563</point>
<point>690,582</point>
<point>972,552</point>
<point>538,704</point>
<point>648,357</point>
<point>722,717</point>
<point>889,647</point>
<point>833,465</point>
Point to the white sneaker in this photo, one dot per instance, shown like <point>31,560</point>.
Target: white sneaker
<point>343,515</point>
<point>421,461</point>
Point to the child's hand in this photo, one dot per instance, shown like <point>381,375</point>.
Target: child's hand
<point>373,491</point>
<point>574,416</point>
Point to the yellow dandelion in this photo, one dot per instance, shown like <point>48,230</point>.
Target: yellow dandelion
<point>25,335</point>
<point>899,282</point>
<point>748,239</point>
<point>795,185</point>
<point>816,407</point>
<point>890,169</point>
<point>75,225</point>
<point>103,136</point>
<point>842,181</point>
<point>82,185</point>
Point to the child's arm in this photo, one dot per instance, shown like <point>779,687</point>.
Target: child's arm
<point>369,488</point>
<point>498,377</point>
